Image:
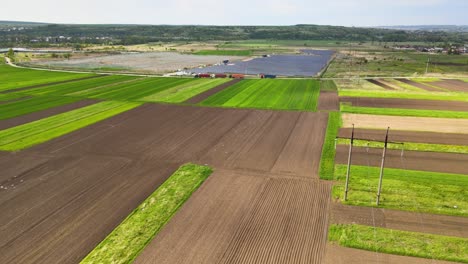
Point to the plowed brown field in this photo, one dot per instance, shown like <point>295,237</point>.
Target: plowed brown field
<point>328,101</point>
<point>61,198</point>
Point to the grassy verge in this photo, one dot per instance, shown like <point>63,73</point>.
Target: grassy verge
<point>409,190</point>
<point>224,52</point>
<point>400,242</point>
<point>129,238</point>
<point>409,146</point>
<point>453,96</point>
<point>30,134</point>
<point>327,161</point>
<point>345,108</point>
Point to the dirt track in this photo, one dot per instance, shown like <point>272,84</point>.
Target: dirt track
<point>452,85</point>
<point>411,160</point>
<point>200,97</point>
<point>420,85</point>
<point>383,85</point>
<point>16,121</point>
<point>407,123</point>
<point>328,101</point>
<point>407,136</point>
<point>406,103</point>
<point>64,196</point>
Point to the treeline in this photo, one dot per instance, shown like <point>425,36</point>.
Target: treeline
<point>136,34</point>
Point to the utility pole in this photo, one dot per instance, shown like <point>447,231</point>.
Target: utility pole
<point>349,165</point>
<point>427,65</point>
<point>382,167</point>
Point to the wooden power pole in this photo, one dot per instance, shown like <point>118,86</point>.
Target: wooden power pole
<point>349,165</point>
<point>382,168</point>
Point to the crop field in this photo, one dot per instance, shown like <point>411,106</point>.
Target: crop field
<point>269,94</point>
<point>12,78</point>
<point>93,167</point>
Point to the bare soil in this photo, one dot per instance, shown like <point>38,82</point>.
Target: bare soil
<point>239,217</point>
<point>419,85</point>
<point>411,160</point>
<point>407,136</point>
<point>452,85</point>
<point>407,123</point>
<point>61,198</point>
<point>408,221</point>
<point>16,121</point>
<point>200,97</point>
<point>406,103</point>
<point>328,101</point>
<point>383,85</point>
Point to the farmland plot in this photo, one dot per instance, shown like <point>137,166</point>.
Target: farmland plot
<point>269,94</point>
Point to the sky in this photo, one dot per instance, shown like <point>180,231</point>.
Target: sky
<point>240,12</point>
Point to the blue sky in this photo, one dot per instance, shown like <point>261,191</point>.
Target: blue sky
<point>241,12</point>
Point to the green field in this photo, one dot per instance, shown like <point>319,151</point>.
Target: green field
<point>30,134</point>
<point>66,88</point>
<point>346,108</point>
<point>269,94</point>
<point>12,78</point>
<point>453,96</point>
<point>127,240</point>
<point>185,91</point>
<point>400,242</point>
<point>132,91</point>
<point>408,146</point>
<point>419,191</point>
<point>327,161</point>
<point>34,104</point>
<point>224,52</point>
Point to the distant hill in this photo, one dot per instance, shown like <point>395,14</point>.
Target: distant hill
<point>432,28</point>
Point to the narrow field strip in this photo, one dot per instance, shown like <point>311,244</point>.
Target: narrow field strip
<point>269,94</point>
<point>398,242</point>
<point>13,109</point>
<point>135,90</point>
<point>453,96</point>
<point>408,146</point>
<point>37,132</point>
<point>129,238</point>
<point>327,161</point>
<point>62,89</point>
<point>408,190</point>
<point>345,108</point>
<point>9,96</point>
<point>185,91</point>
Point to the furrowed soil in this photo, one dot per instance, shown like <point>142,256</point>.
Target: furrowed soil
<point>328,101</point>
<point>410,160</point>
<point>420,85</point>
<point>452,85</point>
<point>406,136</point>
<point>427,124</point>
<point>202,96</point>
<point>406,103</point>
<point>264,202</point>
<point>383,85</point>
<point>16,121</point>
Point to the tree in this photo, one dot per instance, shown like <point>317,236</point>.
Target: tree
<point>11,54</point>
<point>67,56</point>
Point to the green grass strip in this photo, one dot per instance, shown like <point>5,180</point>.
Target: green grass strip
<point>30,134</point>
<point>408,146</point>
<point>327,160</point>
<point>453,96</point>
<point>346,108</point>
<point>398,242</point>
<point>409,190</point>
<point>185,91</point>
<point>129,238</point>
<point>328,85</point>
<point>224,52</point>
<point>10,96</point>
<point>22,107</point>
